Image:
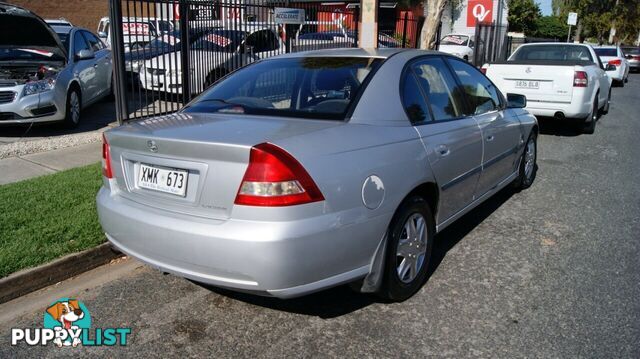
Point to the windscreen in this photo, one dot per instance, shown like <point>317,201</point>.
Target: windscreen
<point>606,52</point>
<point>631,50</point>
<point>460,40</point>
<point>552,52</point>
<point>311,87</point>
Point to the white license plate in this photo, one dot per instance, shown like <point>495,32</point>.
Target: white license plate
<point>522,84</point>
<point>163,180</point>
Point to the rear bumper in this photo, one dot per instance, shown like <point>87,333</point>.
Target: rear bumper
<point>574,109</point>
<point>281,259</point>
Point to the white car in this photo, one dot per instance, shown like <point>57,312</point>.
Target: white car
<point>613,55</point>
<point>213,55</point>
<point>559,80</point>
<point>460,45</point>
<point>136,31</point>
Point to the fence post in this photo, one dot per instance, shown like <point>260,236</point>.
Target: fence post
<point>356,20</point>
<point>184,51</point>
<point>117,53</point>
<point>476,49</point>
<point>438,36</point>
<point>404,29</point>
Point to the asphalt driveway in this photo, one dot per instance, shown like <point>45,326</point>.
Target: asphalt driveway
<point>553,271</point>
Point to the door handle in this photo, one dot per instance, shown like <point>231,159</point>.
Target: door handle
<point>490,138</point>
<point>443,150</point>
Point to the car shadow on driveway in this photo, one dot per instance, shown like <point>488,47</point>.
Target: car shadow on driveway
<point>555,127</point>
<point>341,300</point>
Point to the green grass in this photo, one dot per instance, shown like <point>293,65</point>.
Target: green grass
<point>47,217</point>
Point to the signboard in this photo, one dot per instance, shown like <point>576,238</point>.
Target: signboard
<point>479,11</point>
<point>135,28</point>
<point>572,19</point>
<point>283,15</point>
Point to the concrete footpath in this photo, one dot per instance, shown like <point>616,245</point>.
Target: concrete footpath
<point>14,169</point>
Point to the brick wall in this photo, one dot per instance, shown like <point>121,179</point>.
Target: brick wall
<point>83,13</point>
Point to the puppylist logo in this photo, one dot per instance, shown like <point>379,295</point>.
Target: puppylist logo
<point>67,323</point>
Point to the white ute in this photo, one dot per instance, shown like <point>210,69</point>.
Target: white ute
<point>559,80</point>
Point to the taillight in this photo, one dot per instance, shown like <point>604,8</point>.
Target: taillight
<point>615,62</point>
<point>106,158</point>
<point>275,178</point>
<point>580,79</point>
<point>484,68</point>
<point>636,57</point>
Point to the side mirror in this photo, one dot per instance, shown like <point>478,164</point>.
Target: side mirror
<point>516,101</point>
<point>85,54</point>
<point>102,34</point>
<point>610,67</point>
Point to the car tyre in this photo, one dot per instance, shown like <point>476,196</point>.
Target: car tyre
<point>410,238</point>
<point>589,125</point>
<point>73,110</point>
<point>528,164</point>
<point>605,109</point>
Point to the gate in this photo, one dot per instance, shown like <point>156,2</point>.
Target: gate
<point>165,52</point>
<point>491,43</point>
<point>400,31</point>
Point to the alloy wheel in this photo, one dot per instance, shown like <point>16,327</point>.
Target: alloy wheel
<point>412,247</point>
<point>74,103</point>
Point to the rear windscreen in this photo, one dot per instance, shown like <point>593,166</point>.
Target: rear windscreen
<point>606,52</point>
<point>307,87</point>
<point>552,52</point>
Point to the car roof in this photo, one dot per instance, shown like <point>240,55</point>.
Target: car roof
<point>350,52</point>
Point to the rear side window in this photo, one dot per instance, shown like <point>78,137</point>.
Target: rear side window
<point>480,92</point>
<point>413,100</point>
<point>440,87</point>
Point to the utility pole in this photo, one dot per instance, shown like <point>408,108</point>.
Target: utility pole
<point>369,23</point>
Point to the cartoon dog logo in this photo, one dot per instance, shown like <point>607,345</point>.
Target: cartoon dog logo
<point>66,313</point>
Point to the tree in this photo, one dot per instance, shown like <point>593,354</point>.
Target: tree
<point>430,28</point>
<point>550,27</point>
<point>523,15</point>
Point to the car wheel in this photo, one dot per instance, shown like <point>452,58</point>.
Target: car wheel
<point>528,167</point>
<point>605,109</point>
<point>589,126</point>
<point>409,246</point>
<point>621,83</point>
<point>74,106</point>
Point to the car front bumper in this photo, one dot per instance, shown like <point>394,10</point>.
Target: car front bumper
<point>42,107</point>
<point>283,259</point>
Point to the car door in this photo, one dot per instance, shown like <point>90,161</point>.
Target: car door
<point>102,63</point>
<point>434,104</point>
<point>501,132</point>
<point>84,70</point>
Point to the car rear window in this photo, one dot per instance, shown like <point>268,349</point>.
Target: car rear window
<point>306,87</point>
<point>606,52</point>
<point>551,52</point>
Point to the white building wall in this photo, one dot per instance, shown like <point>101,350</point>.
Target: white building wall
<point>455,20</point>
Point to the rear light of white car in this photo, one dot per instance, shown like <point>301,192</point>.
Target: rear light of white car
<point>106,158</point>
<point>615,62</point>
<point>275,178</point>
<point>580,79</point>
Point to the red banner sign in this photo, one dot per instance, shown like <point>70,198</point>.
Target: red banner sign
<point>479,11</point>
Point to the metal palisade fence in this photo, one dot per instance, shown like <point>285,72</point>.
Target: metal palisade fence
<point>166,52</point>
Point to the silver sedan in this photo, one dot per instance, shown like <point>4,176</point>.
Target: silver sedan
<point>309,170</point>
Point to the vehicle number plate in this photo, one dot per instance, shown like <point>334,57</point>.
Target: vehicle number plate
<point>163,180</point>
<point>522,84</point>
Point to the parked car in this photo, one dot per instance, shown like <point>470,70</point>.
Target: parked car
<point>613,55</point>
<point>48,75</point>
<point>161,45</point>
<point>460,45</point>
<point>213,55</point>
<point>136,31</point>
<point>309,170</point>
<point>559,80</point>
<point>632,54</point>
